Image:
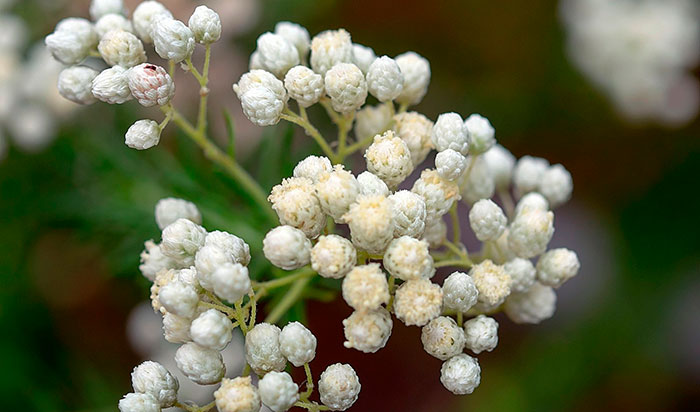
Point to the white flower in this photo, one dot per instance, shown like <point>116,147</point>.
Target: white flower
<point>296,205</point>
<point>449,132</point>
<point>442,338</point>
<point>75,84</point>
<point>231,281</point>
<point>151,85</point>
<point>370,184</point>
<point>333,256</point>
<point>181,241</point>
<point>363,56</point>
<point>435,232</point>
<point>170,209</point>
<point>329,48</point>
<point>346,86</point>
<point>528,172</point>
<point>211,329</point>
<point>287,247</point>
<point>481,333</point>
<point>296,35</point>
<point>533,306</point>
<point>367,331</point>
<point>339,387</point>
<point>556,185</point>
<point>100,8</point>
<point>162,278</point>
<point>439,194</point>
<point>460,374</point>
<point>416,77</point>
<point>487,220</point>
<point>365,287</point>
<point>121,48</point>
<point>500,162</point>
<point>408,212</point>
<point>492,282</point>
<point>139,402</point>
<point>205,25</point>
<point>371,121</point>
<point>262,349</point>
<point>152,378</point>
<point>481,133</point>
<point>415,130</point>
<point>313,167</point>
<point>237,395</point>
<point>450,164</point>
<point>179,298</point>
<point>172,39</point>
<point>176,329</point>
<point>384,79</point>
<point>417,302</point>
<point>408,258</point>
<point>530,232</point>
<point>201,365</point>
<point>72,40</point>
<point>477,183</point>
<point>110,22</point>
<point>557,266</point>
<point>337,190</point>
<point>219,249</point>
<point>145,15</point>
<point>236,248</point>
<point>460,292</point>
<point>388,157</point>
<point>112,85</point>
<point>297,344</point>
<point>532,200</point>
<point>153,261</point>
<point>371,224</point>
<point>278,391</point>
<point>522,274</point>
<point>303,85</point>
<point>277,55</point>
<point>260,78</point>
<point>142,135</point>
<point>262,106</point>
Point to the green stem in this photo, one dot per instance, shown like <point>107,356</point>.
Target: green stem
<point>344,127</point>
<point>311,406</point>
<point>309,382</point>
<point>275,283</point>
<point>194,71</point>
<point>326,103</point>
<point>460,319</point>
<point>227,310</point>
<point>293,294</point>
<point>358,145</point>
<point>455,249</point>
<point>464,262</point>
<point>391,293</point>
<point>456,229</point>
<point>240,316</point>
<point>507,201</point>
<point>310,130</point>
<point>253,309</point>
<point>403,107</point>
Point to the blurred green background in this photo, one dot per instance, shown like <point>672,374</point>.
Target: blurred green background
<point>73,219</point>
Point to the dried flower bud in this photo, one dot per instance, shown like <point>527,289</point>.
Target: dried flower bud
<point>287,247</point>
<point>101,8</point>
<point>388,157</point>
<point>461,374</point>
<point>333,256</point>
<point>111,22</point>
<point>72,40</point>
<point>557,266</point>
<point>277,55</point>
<point>417,302</point>
<point>449,132</point>
<point>415,130</point>
<point>487,220</point>
<point>170,209</point>
<point>145,15</point>
<point>237,395</point>
<point>152,378</point>
<point>365,287</point>
<point>211,329</point>
<point>201,365</point>
<point>481,133</point>
<point>278,391</point>
<point>139,402</point>
<point>296,205</point>
<point>481,333</point>
<point>450,164</point>
<point>297,344</point>
<point>313,167</point>
<point>408,212</point>
<point>296,35</point>
<point>371,224</point>
<point>262,349</point>
<point>442,338</point>
<point>460,292</point>
<point>121,48</point>
<point>303,85</point>
<point>367,331</point>
<point>407,258</point>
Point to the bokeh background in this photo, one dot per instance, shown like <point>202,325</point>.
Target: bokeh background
<point>626,336</point>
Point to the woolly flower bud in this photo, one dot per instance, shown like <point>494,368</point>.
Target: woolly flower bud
<point>181,241</point>
<point>363,57</point>
<point>408,213</point>
<point>121,48</point>
<point>556,185</point>
<point>205,25</point>
<point>139,402</point>
<point>388,157</point>
<point>303,85</point>
<point>100,8</point>
<point>278,391</point>
<point>460,292</point>
<point>449,132</point>
<point>234,247</point>
<point>500,162</point>
<point>365,287</point>
<point>372,120</point>
<point>329,48</point>
<point>260,78</point>
<point>438,193</point>
<point>237,395</point>
<point>162,278</point>
<point>201,365</point>
<point>346,86</point>
<point>522,274</point>
<point>112,85</point>
<point>481,333</point>
<point>532,201</point>
<point>333,256</point>
<point>339,387</point>
<point>151,85</point>
<point>313,167</point>
<point>72,40</point>
<point>370,184</point>
<point>367,331</point>
<point>262,349</point>
<point>370,222</point>
<point>276,54</point>
<point>487,220</point>
<point>179,298</point>
<point>415,130</point>
<point>111,22</point>
<point>533,306</point>
<point>460,374</point>
<point>492,282</point>
<point>152,378</point>
<point>435,232</point>
<point>557,266</point>
<point>417,302</point>
<point>262,106</point>
<point>287,247</point>
<point>450,164</point>
<point>231,281</point>
<point>384,79</point>
<point>442,338</point>
<point>176,329</point>
<point>145,15</point>
<point>172,39</point>
<point>407,258</point>
<point>170,209</point>
<point>75,84</point>
<point>337,190</point>
<point>211,329</point>
<point>297,344</point>
<point>478,183</point>
<point>142,135</point>
<point>416,77</point>
<point>530,232</point>
<point>528,173</point>
<point>481,133</point>
<point>296,35</point>
<point>153,261</point>
<point>296,205</point>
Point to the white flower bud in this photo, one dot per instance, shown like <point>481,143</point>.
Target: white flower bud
<point>481,133</point>
<point>556,185</point>
<point>557,266</point>
<point>408,212</point>
<point>287,247</point>
<point>492,282</point>
<point>532,200</point>
<point>449,132</point>
<point>72,40</point>
<point>365,287</point>
<point>142,135</point>
<point>384,79</point>
<point>151,85</point>
<point>417,302</point>
<point>296,35</point>
<point>416,77</point>
<point>337,190</point>
<point>297,344</point>
<point>370,222</point>
<point>478,182</point>
<point>407,258</point>
<point>481,333</point>
<point>487,220</point>
<point>296,205</point>
<point>75,84</point>
<point>179,298</point>
<point>100,8</point>
<point>435,232</point>
<point>211,329</point>
<point>333,256</point>
<point>388,157</point>
<point>450,164</point>
<point>121,48</point>
<point>499,250</point>
<point>111,22</point>
<point>460,292</point>
<point>262,349</point>
<point>346,86</point>
<point>262,106</point>
<point>236,249</point>
<point>329,48</point>
<point>522,274</point>
<point>528,173</point>
<point>442,338</point>
<point>201,365</point>
<point>530,232</point>
<point>439,194</point>
<point>278,391</point>
<point>339,387</point>
<point>237,395</point>
<point>460,374</point>
<point>363,57</point>
<point>367,331</point>
<point>277,55</point>
<point>371,121</point>
<point>145,15</point>
<point>139,402</point>
<point>112,85</point>
<point>500,162</point>
<point>533,306</point>
<point>176,329</point>
<point>303,85</point>
<point>162,278</point>
<point>254,62</point>
<point>153,261</point>
<point>313,167</point>
<point>258,78</point>
<point>152,378</point>
<point>231,281</point>
<point>370,184</point>
<point>170,209</point>
<point>415,129</point>
<point>205,25</point>
<point>181,241</point>
<point>172,39</point>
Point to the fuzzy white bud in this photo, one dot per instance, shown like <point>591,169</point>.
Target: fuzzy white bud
<point>287,247</point>
<point>111,22</point>
<point>530,232</point>
<point>533,201</point>
<point>153,261</point>
<point>439,194</point>
<point>408,258</point>
<point>435,232</point>
<point>442,338</point>
<point>363,56</point>
<point>172,39</point>
<point>346,86</point>
<point>151,85</point>
<point>417,302</point>
<point>528,173</point>
<point>303,85</point>
<point>449,132</point>
<point>205,25</point>
<point>500,162</point>
<point>557,266</point>
<point>481,133</point>
<point>487,220</point>
<point>75,84</point>
<point>415,130</point>
<point>201,365</point>
<point>179,298</point>
<point>277,55</point>
<point>211,329</point>
<point>371,224</point>
<point>329,48</point>
<point>152,378</point>
<point>260,78</point>
<point>556,185</point>
<point>384,79</point>
<point>481,333</point>
<point>370,184</point>
<point>365,287</point>
<point>278,391</point>
<point>450,164</point>
<point>296,205</point>
<point>371,121</point>
<point>478,183</point>
<point>170,209</point>
<point>262,106</point>
<point>333,256</point>
<point>416,77</point>
<point>237,395</point>
<point>337,190</point>
<point>297,344</point>
<point>121,48</point>
<point>461,374</point>
<point>231,281</point>
<point>313,167</point>
<point>522,274</point>
<point>142,135</point>
<point>262,349</point>
<point>72,40</point>
<point>112,85</point>
<point>460,292</point>
<point>101,8</point>
<point>145,15</point>
<point>181,241</point>
<point>296,35</point>
<point>339,387</point>
<point>367,331</point>
<point>139,402</point>
<point>492,282</point>
<point>408,212</point>
<point>533,306</point>
<point>388,157</point>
